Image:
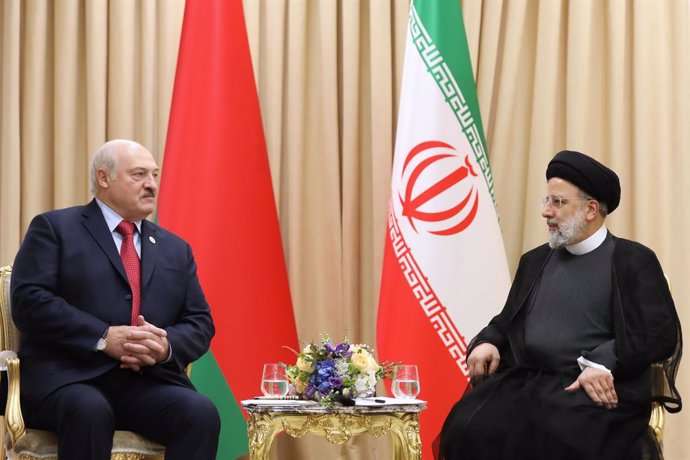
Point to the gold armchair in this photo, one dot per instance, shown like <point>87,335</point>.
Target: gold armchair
<point>29,444</point>
<point>664,392</point>
<point>658,418</point>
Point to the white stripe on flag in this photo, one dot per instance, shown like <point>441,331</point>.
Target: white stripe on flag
<point>445,272</point>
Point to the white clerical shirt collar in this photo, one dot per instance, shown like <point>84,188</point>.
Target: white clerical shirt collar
<point>112,218</point>
<point>589,244</point>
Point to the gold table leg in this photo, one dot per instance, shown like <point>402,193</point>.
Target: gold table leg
<point>406,440</point>
<point>261,431</point>
<point>337,428</point>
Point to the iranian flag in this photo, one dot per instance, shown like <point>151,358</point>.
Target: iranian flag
<point>445,273</point>
<point>216,193</point>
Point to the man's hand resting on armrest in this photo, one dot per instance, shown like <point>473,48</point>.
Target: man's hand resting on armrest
<point>483,361</point>
<point>598,384</point>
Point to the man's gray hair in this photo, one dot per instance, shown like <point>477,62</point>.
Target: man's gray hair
<point>106,159</point>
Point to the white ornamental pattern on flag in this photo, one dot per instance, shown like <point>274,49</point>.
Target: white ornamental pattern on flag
<point>436,65</point>
<point>444,272</point>
<point>435,311</point>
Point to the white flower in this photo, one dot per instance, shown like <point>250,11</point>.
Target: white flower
<point>372,365</point>
<point>372,379</point>
<point>361,384</point>
<point>341,366</point>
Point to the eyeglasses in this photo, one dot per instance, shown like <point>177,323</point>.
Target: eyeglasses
<point>557,202</point>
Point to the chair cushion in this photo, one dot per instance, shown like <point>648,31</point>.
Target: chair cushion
<point>127,445</point>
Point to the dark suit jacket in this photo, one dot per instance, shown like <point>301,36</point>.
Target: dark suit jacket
<point>647,328</point>
<point>69,285</point>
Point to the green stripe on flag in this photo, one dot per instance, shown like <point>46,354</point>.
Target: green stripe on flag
<point>209,380</point>
<point>443,21</point>
<point>442,45</point>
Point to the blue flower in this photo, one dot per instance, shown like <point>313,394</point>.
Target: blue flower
<point>341,349</point>
<point>325,368</point>
<point>329,347</point>
<point>336,382</point>
<point>310,391</point>
<point>324,388</point>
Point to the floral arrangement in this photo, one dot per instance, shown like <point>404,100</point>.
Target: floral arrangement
<point>332,372</point>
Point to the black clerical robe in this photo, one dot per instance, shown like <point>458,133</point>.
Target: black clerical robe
<point>523,412</point>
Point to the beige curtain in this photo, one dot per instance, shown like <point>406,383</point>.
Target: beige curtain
<point>73,74</point>
<point>608,77</point>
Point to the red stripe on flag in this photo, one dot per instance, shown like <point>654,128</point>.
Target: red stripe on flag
<point>407,334</point>
<point>216,193</point>
<point>453,276</point>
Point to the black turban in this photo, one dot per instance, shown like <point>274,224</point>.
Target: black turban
<point>588,175</point>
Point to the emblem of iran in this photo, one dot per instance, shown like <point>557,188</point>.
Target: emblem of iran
<point>439,189</point>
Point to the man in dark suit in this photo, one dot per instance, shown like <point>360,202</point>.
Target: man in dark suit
<point>111,317</point>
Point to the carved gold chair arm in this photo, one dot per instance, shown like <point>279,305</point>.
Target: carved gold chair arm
<point>657,421</point>
<point>14,422</point>
<point>658,418</point>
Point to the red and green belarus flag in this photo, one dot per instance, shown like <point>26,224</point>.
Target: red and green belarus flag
<point>445,272</point>
<point>217,194</point>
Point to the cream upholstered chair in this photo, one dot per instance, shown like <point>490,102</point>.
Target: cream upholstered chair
<point>29,444</point>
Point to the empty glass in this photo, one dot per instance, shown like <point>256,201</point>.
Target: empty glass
<point>405,381</point>
<point>274,381</point>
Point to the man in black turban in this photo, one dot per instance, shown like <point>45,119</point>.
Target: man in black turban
<point>590,176</point>
<point>564,371</point>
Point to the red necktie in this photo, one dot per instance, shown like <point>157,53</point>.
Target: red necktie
<point>130,259</point>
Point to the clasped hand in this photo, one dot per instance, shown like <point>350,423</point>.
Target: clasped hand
<point>137,346</point>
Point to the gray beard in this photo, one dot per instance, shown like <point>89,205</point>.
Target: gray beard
<point>568,230</point>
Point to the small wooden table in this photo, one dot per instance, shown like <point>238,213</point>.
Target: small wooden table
<point>336,423</point>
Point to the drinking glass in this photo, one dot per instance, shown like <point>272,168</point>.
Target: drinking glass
<point>405,381</point>
<point>274,381</point>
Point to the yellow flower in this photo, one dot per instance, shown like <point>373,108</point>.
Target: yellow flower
<point>363,359</point>
<point>360,359</point>
<point>303,364</point>
<point>299,386</point>
<point>372,365</point>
